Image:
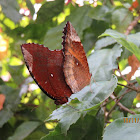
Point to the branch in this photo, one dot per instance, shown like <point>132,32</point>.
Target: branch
<point>132,88</point>
<point>123,77</point>
<point>132,25</point>
<point>122,106</point>
<point>112,2</point>
<point>105,103</point>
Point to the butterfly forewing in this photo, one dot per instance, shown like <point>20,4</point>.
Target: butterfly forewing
<point>76,69</point>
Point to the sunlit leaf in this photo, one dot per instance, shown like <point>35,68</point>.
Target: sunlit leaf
<point>121,129</point>
<point>104,42</point>
<point>102,62</point>
<point>120,38</point>
<point>49,10</point>
<point>10,9</point>
<point>134,38</point>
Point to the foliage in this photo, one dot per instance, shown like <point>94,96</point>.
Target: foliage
<point>109,31</point>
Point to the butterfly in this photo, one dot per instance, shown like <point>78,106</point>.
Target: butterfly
<point>58,73</point>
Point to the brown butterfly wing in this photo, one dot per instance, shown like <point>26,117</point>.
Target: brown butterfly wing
<point>76,69</point>
<point>46,68</point>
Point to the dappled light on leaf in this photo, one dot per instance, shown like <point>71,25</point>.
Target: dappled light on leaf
<point>3,47</point>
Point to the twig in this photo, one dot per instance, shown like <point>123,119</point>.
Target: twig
<point>122,75</point>
<point>112,2</point>
<point>132,88</point>
<point>122,106</point>
<point>115,98</point>
<point>132,25</point>
<point>114,105</point>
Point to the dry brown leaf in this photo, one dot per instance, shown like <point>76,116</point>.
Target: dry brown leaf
<point>39,1</point>
<point>138,97</point>
<point>2,100</point>
<point>134,63</point>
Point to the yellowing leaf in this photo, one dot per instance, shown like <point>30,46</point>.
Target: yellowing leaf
<point>2,100</point>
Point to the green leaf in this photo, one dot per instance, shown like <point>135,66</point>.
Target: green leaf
<point>89,127</point>
<point>24,130</point>
<point>138,1</point>
<point>134,38</point>
<point>10,105</point>
<point>116,114</point>
<point>80,22</point>
<point>91,34</point>
<point>6,131</point>
<point>90,97</point>
<point>102,62</point>
<point>42,112</point>
<point>122,130</point>
<point>1,82</point>
<point>128,99</point>
<point>35,135</point>
<point>120,38</point>
<point>100,13</point>
<point>89,39</point>
<point>49,10</point>
<point>30,7</point>
<point>5,115</point>
<point>138,80</point>
<point>119,16</point>
<point>32,31</point>
<point>104,42</point>
<point>10,9</point>
<point>16,73</point>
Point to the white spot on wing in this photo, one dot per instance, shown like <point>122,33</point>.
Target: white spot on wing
<point>46,82</point>
<point>77,63</point>
<point>51,75</point>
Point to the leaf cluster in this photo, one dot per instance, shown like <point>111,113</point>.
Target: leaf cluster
<point>97,111</point>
